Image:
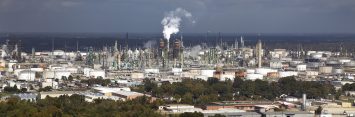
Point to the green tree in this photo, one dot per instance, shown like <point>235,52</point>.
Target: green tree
<point>194,114</point>
<point>70,78</point>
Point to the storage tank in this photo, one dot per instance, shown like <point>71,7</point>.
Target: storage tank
<point>310,52</point>
<point>97,73</point>
<point>301,67</point>
<point>176,70</point>
<point>350,64</point>
<point>337,71</point>
<point>332,63</point>
<point>61,73</point>
<point>316,55</point>
<point>325,69</point>
<point>154,71</point>
<point>48,74</point>
<point>342,61</point>
<point>311,73</point>
<point>27,75</point>
<point>17,71</point>
<point>273,75</point>
<point>250,71</point>
<point>205,78</point>
<point>264,71</point>
<point>58,53</point>
<point>72,70</point>
<point>226,77</point>
<point>287,74</point>
<point>37,69</point>
<point>295,63</point>
<point>208,73</point>
<point>254,76</point>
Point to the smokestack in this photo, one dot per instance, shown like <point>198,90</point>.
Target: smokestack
<point>259,53</point>
<point>241,42</point>
<point>304,99</point>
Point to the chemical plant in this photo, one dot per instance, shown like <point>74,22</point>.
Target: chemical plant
<point>59,72</point>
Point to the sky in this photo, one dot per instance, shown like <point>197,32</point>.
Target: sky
<point>230,16</point>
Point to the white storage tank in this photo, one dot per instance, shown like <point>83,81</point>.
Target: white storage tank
<point>310,52</point>
<point>205,78</point>
<point>98,73</point>
<point>332,62</point>
<point>301,67</point>
<point>137,75</point>
<point>176,70</point>
<point>264,71</point>
<point>342,61</point>
<point>337,71</point>
<point>153,71</point>
<point>275,64</point>
<point>72,70</point>
<point>61,73</point>
<point>27,75</point>
<point>208,73</point>
<point>295,63</point>
<point>311,73</point>
<point>17,71</point>
<point>325,69</point>
<point>226,77</point>
<point>316,55</point>
<point>349,64</point>
<point>48,74</point>
<point>37,69</point>
<point>58,53</point>
<point>250,71</point>
<point>254,76</point>
<point>287,74</point>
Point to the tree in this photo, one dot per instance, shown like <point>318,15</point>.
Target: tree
<point>64,78</point>
<point>23,90</point>
<point>70,78</point>
<point>319,110</point>
<point>47,88</point>
<point>11,89</point>
<point>194,114</point>
<point>218,115</point>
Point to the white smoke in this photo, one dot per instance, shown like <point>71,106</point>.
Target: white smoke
<point>150,44</point>
<point>171,21</point>
<point>195,51</point>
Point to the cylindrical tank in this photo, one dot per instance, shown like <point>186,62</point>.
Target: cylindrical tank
<point>61,73</point>
<point>37,69</point>
<point>254,76</point>
<point>325,69</point>
<point>273,75</point>
<point>287,74</point>
<point>316,55</point>
<point>342,61</point>
<point>337,71</point>
<point>208,73</point>
<point>264,71</point>
<point>27,75</point>
<point>97,73</point>
<point>301,67</point>
<point>250,71</point>
<point>176,70</point>
<point>349,64</point>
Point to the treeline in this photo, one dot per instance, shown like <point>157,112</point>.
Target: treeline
<point>348,87</point>
<point>76,106</point>
<point>191,91</point>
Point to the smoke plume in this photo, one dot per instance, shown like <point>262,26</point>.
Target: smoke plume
<point>150,44</point>
<point>171,21</point>
<point>195,50</point>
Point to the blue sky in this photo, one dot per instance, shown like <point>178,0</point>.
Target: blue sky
<point>234,16</point>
